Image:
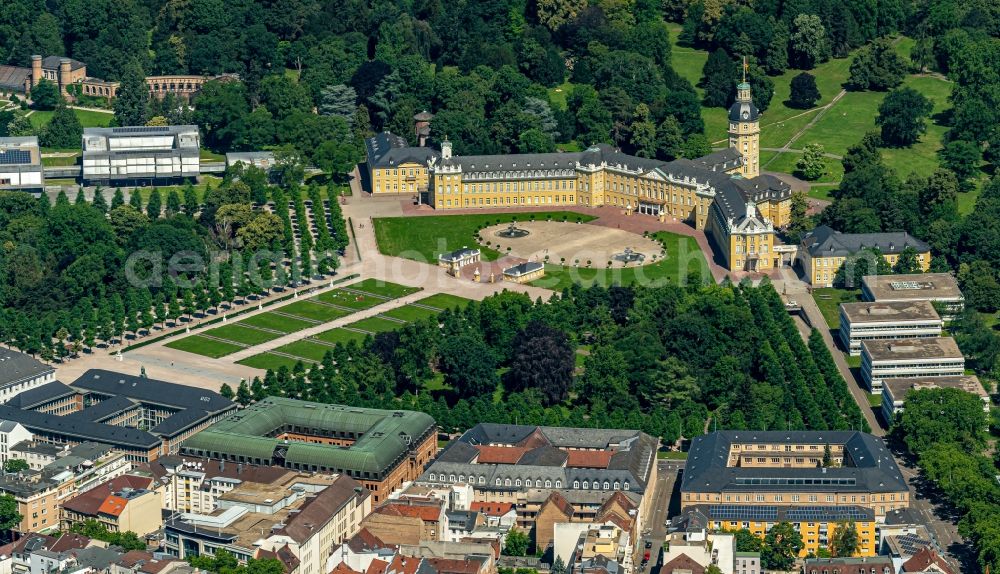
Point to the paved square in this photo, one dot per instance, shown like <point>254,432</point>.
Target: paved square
<point>572,242</point>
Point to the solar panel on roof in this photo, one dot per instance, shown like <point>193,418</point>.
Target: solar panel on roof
<point>140,129</point>
<point>741,512</point>
<point>14,156</point>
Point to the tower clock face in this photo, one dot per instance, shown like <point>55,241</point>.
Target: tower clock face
<point>746,115</point>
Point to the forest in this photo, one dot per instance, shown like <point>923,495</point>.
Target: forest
<point>671,361</point>
<point>75,274</point>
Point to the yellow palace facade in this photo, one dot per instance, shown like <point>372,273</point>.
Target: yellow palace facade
<point>721,193</point>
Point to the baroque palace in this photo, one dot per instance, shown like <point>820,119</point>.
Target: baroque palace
<point>722,193</point>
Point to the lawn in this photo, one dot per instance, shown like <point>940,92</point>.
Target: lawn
<point>268,361</point>
<point>348,299</point>
<point>424,238</point>
<point>409,313</point>
<point>671,455</point>
<point>844,123</point>
<point>383,288</point>
<point>967,201</point>
<point>785,163</point>
<point>558,94</point>
<point>444,301</point>
<point>824,192</point>
<point>305,349</point>
<point>88,119</point>
<point>61,161</point>
<point>375,325</point>
<point>208,155</point>
<point>314,311</point>
<point>829,299</point>
<point>339,335</point>
<point>684,257</point>
<point>276,322</point>
<point>242,334</point>
<point>204,346</point>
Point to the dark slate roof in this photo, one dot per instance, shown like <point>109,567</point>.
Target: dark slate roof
<point>41,395</point>
<point>12,78</point>
<point>16,366</point>
<point>523,268</point>
<point>179,422</point>
<point>103,410</point>
<point>458,451</point>
<point>824,241</point>
<point>721,160</point>
<point>544,456</point>
<point>458,254</point>
<point>52,63</point>
<point>869,467</point>
<point>742,111</point>
<point>764,187</point>
<point>80,430</point>
<point>151,391</point>
<point>389,150</point>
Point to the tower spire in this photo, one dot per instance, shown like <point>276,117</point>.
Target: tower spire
<point>745,69</point>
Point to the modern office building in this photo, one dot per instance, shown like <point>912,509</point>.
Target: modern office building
<point>142,417</point>
<point>786,469</point>
<point>895,391</point>
<point>869,321</point>
<point>824,250</point>
<point>909,358</point>
<point>380,449</point>
<point>941,288</point>
<point>140,154</point>
<point>21,165</point>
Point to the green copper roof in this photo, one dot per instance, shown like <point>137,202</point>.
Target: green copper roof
<point>382,437</point>
<point>743,86</point>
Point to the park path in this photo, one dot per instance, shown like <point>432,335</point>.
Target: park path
<point>822,112</point>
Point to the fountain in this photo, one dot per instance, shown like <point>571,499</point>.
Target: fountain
<point>629,256</point>
<point>512,231</point>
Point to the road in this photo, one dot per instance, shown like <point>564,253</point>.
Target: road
<point>668,472</point>
<point>939,519</point>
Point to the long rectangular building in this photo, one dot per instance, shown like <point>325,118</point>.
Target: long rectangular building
<point>941,288</point>
<point>140,153</point>
<point>791,469</point>
<point>869,321</point>
<point>907,358</point>
<point>895,391</point>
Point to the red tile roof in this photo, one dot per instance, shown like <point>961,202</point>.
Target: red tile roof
<point>403,565</point>
<point>364,540</point>
<point>560,502</point>
<point>500,454</point>
<point>377,567</point>
<point>923,559</point>
<point>90,502</point>
<point>343,568</point>
<point>682,563</point>
<point>454,566</point>
<point>492,508</point>
<point>113,506</point>
<point>589,458</point>
<point>424,512</point>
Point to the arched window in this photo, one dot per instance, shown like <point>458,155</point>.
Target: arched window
<point>576,484</point>
<point>506,482</point>
<point>538,483</point>
<point>626,485</point>
<point>586,485</point>
<point>451,478</point>
<point>461,478</point>
<point>606,485</point>
<point>498,482</point>
<point>548,484</point>
<point>558,484</point>
<point>517,482</point>
<point>433,476</point>
<point>482,480</point>
<point>618,485</point>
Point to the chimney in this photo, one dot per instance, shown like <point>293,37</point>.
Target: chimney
<point>36,69</point>
<point>65,65</point>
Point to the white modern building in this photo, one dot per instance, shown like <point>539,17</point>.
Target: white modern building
<point>933,287</point>
<point>909,358</point>
<point>140,153</point>
<point>870,321</point>
<point>259,159</point>
<point>895,390</point>
<point>21,165</point>
<point>11,433</point>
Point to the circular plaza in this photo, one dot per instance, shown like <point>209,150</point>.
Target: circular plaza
<point>569,243</point>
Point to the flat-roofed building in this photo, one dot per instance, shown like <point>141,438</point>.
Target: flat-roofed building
<point>895,391</point>
<point>909,358</point>
<point>259,159</point>
<point>785,469</point>
<point>870,321</point>
<point>21,165</point>
<point>140,153</point>
<point>933,287</point>
<point>817,524</point>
